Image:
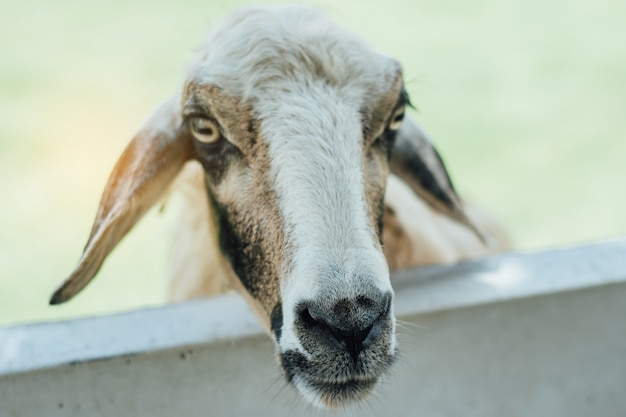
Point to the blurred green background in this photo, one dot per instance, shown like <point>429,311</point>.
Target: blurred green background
<point>525,99</point>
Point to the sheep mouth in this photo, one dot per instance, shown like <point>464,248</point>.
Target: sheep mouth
<point>333,394</point>
<point>328,383</point>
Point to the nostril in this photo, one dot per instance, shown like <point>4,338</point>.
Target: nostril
<point>307,318</point>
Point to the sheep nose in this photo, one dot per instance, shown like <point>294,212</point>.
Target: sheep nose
<point>348,324</point>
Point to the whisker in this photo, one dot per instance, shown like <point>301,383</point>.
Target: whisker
<point>409,324</point>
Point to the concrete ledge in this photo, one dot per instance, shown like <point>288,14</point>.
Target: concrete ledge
<point>537,334</point>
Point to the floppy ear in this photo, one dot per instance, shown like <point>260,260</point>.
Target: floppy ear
<point>147,166</point>
<point>415,160</point>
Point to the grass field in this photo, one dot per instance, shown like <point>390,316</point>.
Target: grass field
<point>526,101</point>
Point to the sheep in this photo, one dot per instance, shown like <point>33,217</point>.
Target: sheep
<point>301,184</point>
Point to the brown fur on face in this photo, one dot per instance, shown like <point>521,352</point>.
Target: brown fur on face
<point>397,245</point>
<point>242,202</point>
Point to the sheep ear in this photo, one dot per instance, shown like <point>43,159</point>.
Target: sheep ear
<point>416,161</point>
<point>145,169</point>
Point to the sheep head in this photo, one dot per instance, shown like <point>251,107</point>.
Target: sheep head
<point>297,124</point>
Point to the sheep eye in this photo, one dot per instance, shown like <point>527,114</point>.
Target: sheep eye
<point>205,130</point>
<point>396,118</point>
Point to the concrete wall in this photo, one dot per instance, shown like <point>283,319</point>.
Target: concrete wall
<point>539,334</point>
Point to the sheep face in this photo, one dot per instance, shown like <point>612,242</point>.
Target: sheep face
<point>297,184</point>
<point>295,144</point>
<point>294,121</point>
